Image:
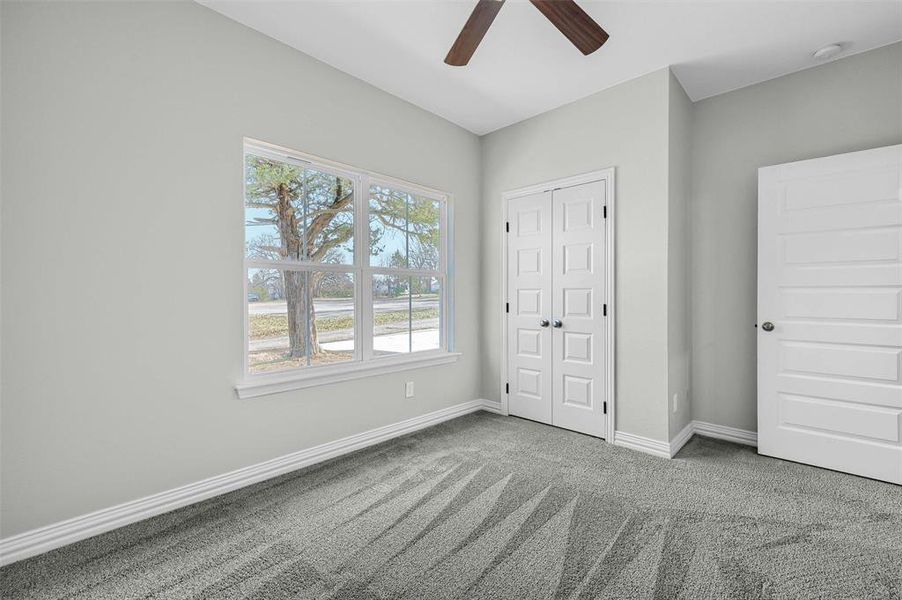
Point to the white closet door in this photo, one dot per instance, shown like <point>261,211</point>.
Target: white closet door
<point>830,312</point>
<point>578,322</point>
<point>529,311</point>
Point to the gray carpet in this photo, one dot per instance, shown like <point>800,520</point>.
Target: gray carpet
<point>487,507</point>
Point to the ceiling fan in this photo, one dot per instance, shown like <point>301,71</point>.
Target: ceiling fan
<point>566,15</point>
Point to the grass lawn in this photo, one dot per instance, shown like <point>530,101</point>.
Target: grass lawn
<point>275,325</point>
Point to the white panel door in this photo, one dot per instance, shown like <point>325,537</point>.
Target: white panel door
<point>578,280</point>
<point>830,312</point>
<point>529,309</point>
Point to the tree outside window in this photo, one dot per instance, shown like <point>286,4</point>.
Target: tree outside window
<point>304,276</point>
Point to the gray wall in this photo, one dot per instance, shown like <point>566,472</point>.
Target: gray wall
<point>624,127</point>
<point>679,119</point>
<point>851,104</point>
<point>122,257</point>
<point>121,277</point>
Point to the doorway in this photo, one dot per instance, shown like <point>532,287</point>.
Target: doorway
<point>558,334</point>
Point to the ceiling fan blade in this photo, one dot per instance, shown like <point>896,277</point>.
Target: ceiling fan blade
<point>473,32</point>
<point>573,22</point>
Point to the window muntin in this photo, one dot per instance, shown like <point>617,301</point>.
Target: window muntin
<point>315,299</point>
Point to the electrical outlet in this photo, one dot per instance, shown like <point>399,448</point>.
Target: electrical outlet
<point>408,390</point>
<point>676,402</point>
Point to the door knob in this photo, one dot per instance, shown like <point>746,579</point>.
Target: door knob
<point>557,323</point>
<point>543,323</point>
<point>767,326</point>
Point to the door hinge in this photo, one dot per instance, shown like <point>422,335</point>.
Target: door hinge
<point>605,407</point>
<point>604,310</point>
<point>507,307</point>
<point>507,388</point>
<point>604,211</point>
<point>507,226</point>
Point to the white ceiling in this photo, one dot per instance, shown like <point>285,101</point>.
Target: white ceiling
<point>524,66</point>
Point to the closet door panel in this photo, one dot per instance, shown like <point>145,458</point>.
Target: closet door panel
<point>529,295</point>
<point>577,281</point>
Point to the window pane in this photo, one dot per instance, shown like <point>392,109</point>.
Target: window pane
<point>297,213</point>
<point>405,229</point>
<point>333,317</point>
<point>424,235</point>
<point>277,320</point>
<point>391,315</point>
<point>329,218</point>
<point>297,319</point>
<point>406,313</point>
<point>426,314</point>
<point>388,227</point>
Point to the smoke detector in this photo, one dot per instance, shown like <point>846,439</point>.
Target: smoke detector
<point>827,52</point>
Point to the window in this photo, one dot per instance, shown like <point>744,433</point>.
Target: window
<point>345,269</point>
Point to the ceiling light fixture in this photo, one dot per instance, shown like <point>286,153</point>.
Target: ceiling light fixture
<point>827,52</point>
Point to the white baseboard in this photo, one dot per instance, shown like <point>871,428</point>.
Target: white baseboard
<point>43,539</point>
<point>722,432</point>
<point>665,450</point>
<point>642,444</point>
<point>492,406</point>
<point>682,438</point>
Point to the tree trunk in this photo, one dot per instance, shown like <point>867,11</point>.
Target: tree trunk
<point>296,300</point>
<point>301,317</point>
<point>313,280</point>
<point>296,296</point>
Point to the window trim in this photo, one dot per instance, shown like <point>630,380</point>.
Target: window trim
<point>288,380</point>
<point>364,362</point>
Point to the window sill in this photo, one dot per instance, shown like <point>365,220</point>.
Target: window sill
<point>263,385</point>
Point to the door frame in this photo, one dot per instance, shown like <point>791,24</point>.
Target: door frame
<point>606,175</point>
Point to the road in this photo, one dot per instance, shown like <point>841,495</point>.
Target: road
<point>340,306</point>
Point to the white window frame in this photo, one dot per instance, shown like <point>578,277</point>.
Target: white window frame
<point>365,362</point>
